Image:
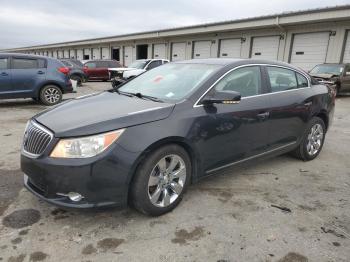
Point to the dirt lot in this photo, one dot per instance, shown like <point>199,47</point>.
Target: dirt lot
<point>228,217</point>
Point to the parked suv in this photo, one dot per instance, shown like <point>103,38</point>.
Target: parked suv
<point>76,72</point>
<point>336,75</point>
<point>39,77</point>
<point>98,69</point>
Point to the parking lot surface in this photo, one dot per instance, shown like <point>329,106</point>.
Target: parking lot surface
<point>233,216</point>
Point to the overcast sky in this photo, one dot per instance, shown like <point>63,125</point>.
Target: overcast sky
<point>34,22</point>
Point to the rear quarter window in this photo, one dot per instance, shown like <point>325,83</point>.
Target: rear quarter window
<point>281,79</point>
<point>3,63</point>
<point>302,81</point>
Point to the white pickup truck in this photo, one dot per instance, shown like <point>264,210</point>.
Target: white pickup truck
<point>136,68</point>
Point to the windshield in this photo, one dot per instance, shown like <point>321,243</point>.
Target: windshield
<point>327,69</point>
<point>171,81</point>
<point>138,64</point>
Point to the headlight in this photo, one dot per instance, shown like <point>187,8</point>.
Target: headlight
<point>84,147</point>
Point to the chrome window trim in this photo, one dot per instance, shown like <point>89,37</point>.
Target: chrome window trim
<point>28,154</point>
<point>249,158</point>
<point>196,104</point>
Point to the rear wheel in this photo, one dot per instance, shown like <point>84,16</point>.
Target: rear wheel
<point>161,180</point>
<point>50,95</point>
<point>312,141</point>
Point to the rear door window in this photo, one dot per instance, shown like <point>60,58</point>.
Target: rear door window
<point>90,65</point>
<point>154,64</point>
<point>114,64</point>
<point>24,63</point>
<point>281,79</point>
<point>102,64</point>
<point>3,63</point>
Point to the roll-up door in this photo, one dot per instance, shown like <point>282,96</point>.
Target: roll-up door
<point>96,53</point>
<point>66,54</point>
<point>60,54</point>
<point>87,54</point>
<point>202,49</point>
<point>72,53</point>
<point>159,51</point>
<point>309,49</point>
<point>265,47</point>
<point>105,53</point>
<point>178,51</point>
<point>54,54</point>
<point>230,48</point>
<point>128,55</point>
<point>80,54</point>
<point>346,57</point>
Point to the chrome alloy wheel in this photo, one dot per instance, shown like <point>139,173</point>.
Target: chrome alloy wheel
<point>167,180</point>
<point>52,95</point>
<point>314,139</point>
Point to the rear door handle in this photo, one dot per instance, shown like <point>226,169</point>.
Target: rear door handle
<point>4,74</point>
<point>41,72</point>
<point>263,115</point>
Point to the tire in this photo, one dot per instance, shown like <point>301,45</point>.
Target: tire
<point>310,147</point>
<point>77,78</point>
<point>153,193</point>
<point>50,95</point>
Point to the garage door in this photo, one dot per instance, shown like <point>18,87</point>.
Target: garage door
<point>60,54</point>
<point>309,49</point>
<point>66,54</point>
<point>159,51</point>
<point>202,49</point>
<point>87,53</point>
<point>265,47</point>
<point>346,57</point>
<point>80,54</point>
<point>54,54</point>
<point>96,53</point>
<point>128,55</point>
<point>178,51</point>
<point>72,53</point>
<point>230,48</point>
<point>105,53</point>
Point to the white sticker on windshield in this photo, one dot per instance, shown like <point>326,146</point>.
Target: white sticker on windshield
<point>170,94</point>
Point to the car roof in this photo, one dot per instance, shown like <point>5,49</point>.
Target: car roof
<point>25,55</point>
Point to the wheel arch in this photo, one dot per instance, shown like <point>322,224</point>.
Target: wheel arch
<point>46,84</point>
<point>182,142</point>
<point>324,116</point>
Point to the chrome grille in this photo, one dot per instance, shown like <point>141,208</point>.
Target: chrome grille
<point>36,139</point>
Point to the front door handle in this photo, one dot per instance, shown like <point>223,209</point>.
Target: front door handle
<point>263,116</point>
<point>4,74</point>
<point>41,72</point>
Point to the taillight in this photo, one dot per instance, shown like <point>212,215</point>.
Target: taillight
<point>64,70</point>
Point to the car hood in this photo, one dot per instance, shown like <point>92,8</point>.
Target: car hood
<point>133,72</point>
<point>120,69</point>
<point>324,76</point>
<point>101,112</point>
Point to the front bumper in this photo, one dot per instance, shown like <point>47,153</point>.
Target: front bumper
<point>102,180</point>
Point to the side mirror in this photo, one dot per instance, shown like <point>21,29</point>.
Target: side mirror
<point>222,97</point>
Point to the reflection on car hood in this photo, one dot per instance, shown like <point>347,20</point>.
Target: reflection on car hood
<point>133,72</point>
<point>120,69</point>
<point>101,112</point>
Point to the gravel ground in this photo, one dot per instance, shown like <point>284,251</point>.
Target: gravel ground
<point>227,217</point>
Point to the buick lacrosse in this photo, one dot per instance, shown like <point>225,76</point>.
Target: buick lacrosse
<point>146,140</point>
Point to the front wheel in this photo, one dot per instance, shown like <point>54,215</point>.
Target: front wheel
<point>312,141</point>
<point>161,180</point>
<point>50,95</point>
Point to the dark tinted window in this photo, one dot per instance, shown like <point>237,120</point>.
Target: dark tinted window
<point>114,64</point>
<point>3,63</point>
<point>102,64</point>
<point>281,79</point>
<point>41,63</point>
<point>245,80</point>
<point>154,64</point>
<point>24,63</point>
<point>302,81</point>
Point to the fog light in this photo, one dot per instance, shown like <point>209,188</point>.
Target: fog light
<point>73,196</point>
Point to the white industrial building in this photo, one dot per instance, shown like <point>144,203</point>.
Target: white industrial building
<point>303,38</point>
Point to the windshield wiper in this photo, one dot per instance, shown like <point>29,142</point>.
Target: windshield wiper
<point>142,96</point>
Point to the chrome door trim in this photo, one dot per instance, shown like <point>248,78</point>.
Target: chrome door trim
<point>285,67</point>
<point>249,158</point>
